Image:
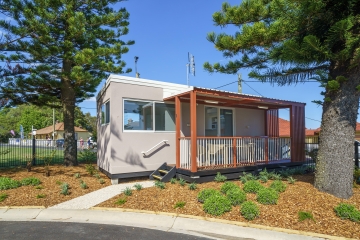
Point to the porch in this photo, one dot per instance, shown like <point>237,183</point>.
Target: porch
<point>225,141</point>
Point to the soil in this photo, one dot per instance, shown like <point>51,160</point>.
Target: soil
<point>27,195</point>
<point>301,196</point>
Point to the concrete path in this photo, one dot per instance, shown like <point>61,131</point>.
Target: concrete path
<point>94,198</point>
<point>196,226</point>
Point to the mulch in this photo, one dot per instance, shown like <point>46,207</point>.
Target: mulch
<point>301,196</point>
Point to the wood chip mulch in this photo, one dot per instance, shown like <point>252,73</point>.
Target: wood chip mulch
<point>301,196</point>
<point>27,195</point>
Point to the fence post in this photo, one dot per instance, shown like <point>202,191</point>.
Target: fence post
<point>33,151</point>
<point>356,144</point>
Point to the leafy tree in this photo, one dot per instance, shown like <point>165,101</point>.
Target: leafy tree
<point>289,41</point>
<point>71,47</point>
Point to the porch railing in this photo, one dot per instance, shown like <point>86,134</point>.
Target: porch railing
<point>219,152</point>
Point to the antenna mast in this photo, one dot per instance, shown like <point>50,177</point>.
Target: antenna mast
<point>190,67</point>
<point>136,72</point>
<point>239,83</point>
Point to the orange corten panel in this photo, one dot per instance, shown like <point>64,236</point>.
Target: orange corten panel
<point>193,130</point>
<point>297,132</point>
<point>272,123</point>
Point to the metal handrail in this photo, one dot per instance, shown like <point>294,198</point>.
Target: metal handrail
<point>163,141</point>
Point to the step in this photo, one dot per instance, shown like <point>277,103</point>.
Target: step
<point>163,171</point>
<point>157,177</point>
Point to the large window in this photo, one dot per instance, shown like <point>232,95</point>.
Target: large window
<point>148,116</point>
<point>105,113</point>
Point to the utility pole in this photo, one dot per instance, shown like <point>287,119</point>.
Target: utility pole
<point>239,83</point>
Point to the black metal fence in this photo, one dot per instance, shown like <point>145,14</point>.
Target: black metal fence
<point>20,152</point>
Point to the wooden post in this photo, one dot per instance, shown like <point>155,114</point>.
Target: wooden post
<point>177,124</point>
<point>297,132</point>
<point>267,150</point>
<point>234,151</point>
<point>193,131</point>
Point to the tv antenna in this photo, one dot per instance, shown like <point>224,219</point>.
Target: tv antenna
<point>190,67</point>
<point>136,72</point>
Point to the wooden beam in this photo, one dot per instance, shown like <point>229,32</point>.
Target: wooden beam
<point>193,131</point>
<point>177,124</point>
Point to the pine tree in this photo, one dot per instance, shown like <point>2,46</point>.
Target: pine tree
<point>70,47</point>
<point>290,41</point>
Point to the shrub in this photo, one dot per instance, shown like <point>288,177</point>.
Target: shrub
<point>180,204</point>
<point>247,177</point>
<point>278,186</point>
<point>30,181</point>
<point>138,186</point>
<point>249,210</point>
<point>220,178</point>
<point>64,189</point>
<point>217,205</point>
<point>291,180</point>
<point>77,175</point>
<point>285,173</point>
<point>127,191</point>
<point>173,180</point>
<point>83,185</point>
<point>87,156</point>
<point>206,193</point>
<point>263,179</point>
<point>182,182</point>
<point>252,186</point>
<point>101,181</point>
<point>39,187</point>
<point>227,186</point>
<point>90,169</point>
<point>40,196</point>
<point>275,176</point>
<point>267,196</point>
<point>347,211</point>
<point>236,196</point>
<point>120,201</point>
<point>96,175</point>
<point>159,184</point>
<point>193,186</point>
<point>8,183</point>
<point>264,173</point>
<point>305,215</point>
<point>3,196</point>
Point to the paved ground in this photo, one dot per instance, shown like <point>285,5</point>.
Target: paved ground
<point>60,231</point>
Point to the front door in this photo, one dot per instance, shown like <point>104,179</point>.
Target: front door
<point>226,122</point>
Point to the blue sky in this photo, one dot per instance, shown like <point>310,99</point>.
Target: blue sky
<point>165,31</point>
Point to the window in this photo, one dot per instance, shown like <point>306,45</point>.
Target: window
<point>148,116</point>
<point>105,113</point>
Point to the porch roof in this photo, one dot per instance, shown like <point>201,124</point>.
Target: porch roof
<point>232,99</point>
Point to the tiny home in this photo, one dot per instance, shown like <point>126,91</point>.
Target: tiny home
<point>197,131</point>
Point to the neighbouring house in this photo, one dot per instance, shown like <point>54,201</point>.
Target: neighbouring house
<point>43,133</point>
<point>196,131</point>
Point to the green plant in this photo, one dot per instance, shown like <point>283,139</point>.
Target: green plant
<point>263,178</point>
<point>236,196</point>
<point>77,175</point>
<point>347,211</point>
<point>220,178</point>
<point>357,175</point>
<point>227,186</point>
<point>83,185</point>
<point>278,186</point>
<point>182,182</point>
<point>305,215</point>
<point>127,191</point>
<point>206,193</point>
<point>285,173</point>
<point>138,186</point>
<point>96,175</point>
<point>249,210</point>
<point>90,169</point>
<point>58,182</point>
<point>87,156</point>
<point>275,176</point>
<point>47,159</point>
<point>8,183</point>
<point>180,204</point>
<point>217,205</point>
<point>120,201</point>
<point>173,180</point>
<point>247,177</point>
<point>264,173</point>
<point>192,186</point>
<point>40,196</point>
<point>39,187</point>
<point>3,196</point>
<point>64,189</point>
<point>291,180</point>
<point>159,184</point>
<point>267,196</point>
<point>30,181</point>
<point>101,181</point>
<point>252,186</point>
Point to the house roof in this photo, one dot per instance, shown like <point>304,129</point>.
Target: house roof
<point>58,127</point>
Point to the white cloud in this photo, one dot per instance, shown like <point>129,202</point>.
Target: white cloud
<point>92,99</point>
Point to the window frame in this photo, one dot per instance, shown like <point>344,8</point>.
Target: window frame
<point>105,113</point>
<point>153,116</point>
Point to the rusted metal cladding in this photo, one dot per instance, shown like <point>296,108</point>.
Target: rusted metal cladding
<point>297,132</point>
<point>272,123</point>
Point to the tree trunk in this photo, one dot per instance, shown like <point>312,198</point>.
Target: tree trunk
<point>68,104</point>
<point>335,165</point>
